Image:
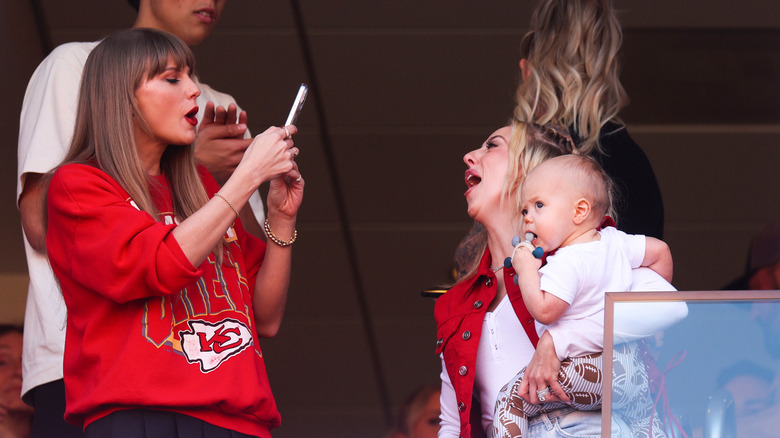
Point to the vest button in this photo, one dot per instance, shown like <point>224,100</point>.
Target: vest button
<point>461,406</point>
<point>488,282</point>
<point>463,370</point>
<point>439,342</point>
<point>477,304</point>
<point>466,335</point>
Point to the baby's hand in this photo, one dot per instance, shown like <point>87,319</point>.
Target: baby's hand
<point>538,252</point>
<point>524,255</point>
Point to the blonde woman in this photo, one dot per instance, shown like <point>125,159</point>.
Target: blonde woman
<point>570,78</point>
<point>484,329</point>
<point>167,295</point>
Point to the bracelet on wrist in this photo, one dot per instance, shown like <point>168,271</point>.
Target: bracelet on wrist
<point>227,202</point>
<point>276,240</point>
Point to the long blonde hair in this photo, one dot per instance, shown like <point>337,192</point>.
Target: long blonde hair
<point>103,135</point>
<point>572,61</point>
<point>529,145</point>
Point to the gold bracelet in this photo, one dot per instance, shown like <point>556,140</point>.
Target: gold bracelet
<point>275,239</point>
<point>228,203</point>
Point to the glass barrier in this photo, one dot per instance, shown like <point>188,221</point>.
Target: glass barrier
<point>692,364</point>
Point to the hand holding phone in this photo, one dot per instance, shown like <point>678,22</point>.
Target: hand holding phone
<point>297,105</point>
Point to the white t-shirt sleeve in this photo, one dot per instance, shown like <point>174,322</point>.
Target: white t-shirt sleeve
<point>635,245</point>
<point>561,275</point>
<point>49,110</point>
<point>450,418</point>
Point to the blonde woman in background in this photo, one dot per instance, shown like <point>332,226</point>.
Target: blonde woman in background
<point>570,77</point>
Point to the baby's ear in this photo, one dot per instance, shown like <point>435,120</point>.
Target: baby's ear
<point>581,211</point>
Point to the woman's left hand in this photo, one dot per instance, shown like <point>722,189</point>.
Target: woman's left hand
<point>285,192</point>
<point>542,372</point>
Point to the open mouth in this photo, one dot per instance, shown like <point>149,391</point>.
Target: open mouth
<point>472,179</point>
<point>192,116</point>
<point>207,15</point>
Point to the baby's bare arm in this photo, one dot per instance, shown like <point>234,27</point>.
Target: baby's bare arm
<point>544,307</point>
<point>658,257</point>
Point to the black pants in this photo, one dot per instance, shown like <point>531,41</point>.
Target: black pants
<point>146,423</point>
<point>48,418</point>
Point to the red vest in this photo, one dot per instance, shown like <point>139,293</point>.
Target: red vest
<point>459,315</point>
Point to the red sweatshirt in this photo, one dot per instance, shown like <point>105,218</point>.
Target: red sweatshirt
<point>145,328</point>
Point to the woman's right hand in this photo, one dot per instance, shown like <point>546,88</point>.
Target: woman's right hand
<point>541,372</point>
<point>271,154</point>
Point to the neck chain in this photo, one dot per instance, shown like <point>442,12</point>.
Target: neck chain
<point>500,267</point>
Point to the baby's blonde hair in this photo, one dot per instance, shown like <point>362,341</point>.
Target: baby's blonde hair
<point>592,181</point>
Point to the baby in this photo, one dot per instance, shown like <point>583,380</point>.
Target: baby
<point>563,202</point>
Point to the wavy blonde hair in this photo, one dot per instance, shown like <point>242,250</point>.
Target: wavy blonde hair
<point>103,135</point>
<point>571,52</point>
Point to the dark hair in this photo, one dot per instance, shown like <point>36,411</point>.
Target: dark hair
<point>412,407</point>
<point>134,4</point>
<point>10,328</point>
<point>745,368</point>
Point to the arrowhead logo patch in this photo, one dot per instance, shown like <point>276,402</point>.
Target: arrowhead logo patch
<point>212,344</point>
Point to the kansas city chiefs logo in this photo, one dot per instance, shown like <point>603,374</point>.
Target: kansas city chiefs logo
<point>212,344</point>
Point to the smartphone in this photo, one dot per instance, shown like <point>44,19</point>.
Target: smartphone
<point>297,105</point>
